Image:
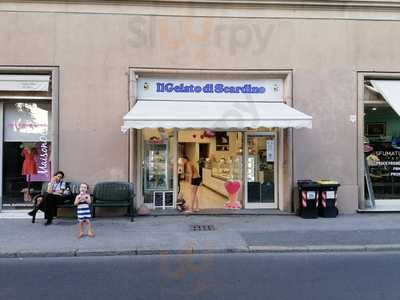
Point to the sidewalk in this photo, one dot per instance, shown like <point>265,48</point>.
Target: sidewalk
<point>174,235</point>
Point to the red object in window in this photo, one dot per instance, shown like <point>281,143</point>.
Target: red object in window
<point>29,165</point>
<point>209,133</point>
<point>232,186</point>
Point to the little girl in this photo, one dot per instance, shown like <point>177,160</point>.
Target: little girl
<point>82,201</point>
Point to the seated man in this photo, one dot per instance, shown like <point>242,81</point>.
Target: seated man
<point>53,196</point>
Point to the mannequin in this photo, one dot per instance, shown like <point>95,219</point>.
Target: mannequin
<point>29,167</point>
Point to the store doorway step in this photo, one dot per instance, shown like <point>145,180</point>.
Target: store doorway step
<point>387,205</point>
<point>221,212</point>
<point>18,206</point>
<point>18,214</point>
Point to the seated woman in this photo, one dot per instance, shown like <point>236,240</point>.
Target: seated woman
<point>54,196</point>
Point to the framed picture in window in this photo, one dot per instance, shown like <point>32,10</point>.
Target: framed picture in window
<point>376,129</point>
<point>222,141</point>
<point>221,138</point>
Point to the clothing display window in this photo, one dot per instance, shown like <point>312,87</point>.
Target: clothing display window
<point>26,150</point>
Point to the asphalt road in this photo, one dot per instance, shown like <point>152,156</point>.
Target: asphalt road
<point>236,276</point>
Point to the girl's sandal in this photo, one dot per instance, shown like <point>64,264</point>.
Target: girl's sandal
<point>90,235</point>
<point>81,235</point>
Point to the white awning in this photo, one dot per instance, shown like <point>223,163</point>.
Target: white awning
<point>24,83</point>
<point>390,91</point>
<point>223,115</point>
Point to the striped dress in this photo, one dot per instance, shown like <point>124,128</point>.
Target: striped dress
<point>83,211</point>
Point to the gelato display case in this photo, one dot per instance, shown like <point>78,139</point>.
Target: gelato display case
<point>216,174</point>
<point>156,166</point>
<point>228,169</point>
<point>158,177</point>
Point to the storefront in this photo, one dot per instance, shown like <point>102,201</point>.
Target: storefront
<point>381,142</point>
<point>27,136</point>
<point>230,126</point>
<point>96,57</point>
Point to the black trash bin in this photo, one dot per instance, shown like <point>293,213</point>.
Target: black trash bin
<point>308,198</point>
<point>327,207</point>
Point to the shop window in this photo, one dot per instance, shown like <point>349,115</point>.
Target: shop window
<point>217,158</point>
<point>381,145</point>
<point>226,161</point>
<point>26,149</point>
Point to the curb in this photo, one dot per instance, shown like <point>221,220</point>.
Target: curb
<point>325,248</point>
<point>248,250</point>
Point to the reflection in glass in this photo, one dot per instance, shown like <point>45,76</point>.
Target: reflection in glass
<point>26,121</point>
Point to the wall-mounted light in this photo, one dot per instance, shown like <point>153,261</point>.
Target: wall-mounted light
<point>374,108</point>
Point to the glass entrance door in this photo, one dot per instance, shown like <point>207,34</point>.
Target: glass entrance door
<point>261,170</point>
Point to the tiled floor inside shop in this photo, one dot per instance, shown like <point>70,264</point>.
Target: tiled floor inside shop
<point>208,198</point>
